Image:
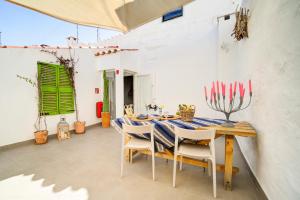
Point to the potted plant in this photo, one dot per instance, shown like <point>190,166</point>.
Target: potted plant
<point>105,112</point>
<point>41,135</point>
<point>69,64</point>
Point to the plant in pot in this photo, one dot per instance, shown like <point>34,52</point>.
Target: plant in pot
<point>69,64</point>
<point>41,135</point>
<point>105,112</point>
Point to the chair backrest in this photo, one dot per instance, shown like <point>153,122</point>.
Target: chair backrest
<point>195,134</point>
<point>139,130</point>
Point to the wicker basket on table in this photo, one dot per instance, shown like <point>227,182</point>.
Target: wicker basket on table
<point>186,112</point>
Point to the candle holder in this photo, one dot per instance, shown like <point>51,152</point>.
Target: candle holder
<point>218,102</point>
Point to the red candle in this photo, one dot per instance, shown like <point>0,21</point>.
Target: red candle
<point>223,89</point>
<point>205,92</point>
<point>234,88</point>
<point>250,87</point>
<point>240,89</point>
<point>214,96</point>
<point>211,94</point>
<point>230,93</point>
<point>213,85</point>
<point>218,91</point>
<point>243,89</point>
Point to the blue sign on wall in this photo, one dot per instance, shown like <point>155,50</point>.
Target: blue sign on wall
<point>173,14</point>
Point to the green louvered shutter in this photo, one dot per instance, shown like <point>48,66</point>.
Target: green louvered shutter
<point>47,74</point>
<point>65,92</point>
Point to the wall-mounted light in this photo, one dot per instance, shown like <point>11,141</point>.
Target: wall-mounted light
<point>226,17</point>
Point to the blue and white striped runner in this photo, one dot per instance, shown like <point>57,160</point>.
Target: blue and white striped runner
<point>164,130</point>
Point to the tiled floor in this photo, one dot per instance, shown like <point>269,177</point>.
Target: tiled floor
<point>88,167</point>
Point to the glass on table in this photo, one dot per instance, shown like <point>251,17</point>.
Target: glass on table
<point>166,114</point>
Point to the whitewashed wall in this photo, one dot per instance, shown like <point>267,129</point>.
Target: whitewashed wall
<point>18,99</point>
<point>186,53</point>
<point>124,60</point>
<point>271,58</point>
<point>180,54</point>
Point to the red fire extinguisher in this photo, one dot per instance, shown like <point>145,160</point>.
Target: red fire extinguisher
<point>99,106</point>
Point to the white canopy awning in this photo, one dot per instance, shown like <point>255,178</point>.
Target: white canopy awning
<point>122,15</point>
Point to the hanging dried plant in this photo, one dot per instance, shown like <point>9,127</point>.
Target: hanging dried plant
<point>240,30</point>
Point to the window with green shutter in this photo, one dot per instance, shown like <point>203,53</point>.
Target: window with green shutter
<point>56,91</point>
<point>65,92</point>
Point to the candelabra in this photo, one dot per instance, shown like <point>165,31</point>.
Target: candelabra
<point>218,102</point>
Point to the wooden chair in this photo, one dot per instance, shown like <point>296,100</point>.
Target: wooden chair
<point>196,151</point>
<point>138,144</point>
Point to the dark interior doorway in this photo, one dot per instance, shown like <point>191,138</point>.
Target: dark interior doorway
<point>128,90</point>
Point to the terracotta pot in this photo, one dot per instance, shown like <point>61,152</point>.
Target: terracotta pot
<point>41,136</point>
<point>79,127</point>
<point>105,119</point>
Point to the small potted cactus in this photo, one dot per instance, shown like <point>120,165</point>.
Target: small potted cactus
<point>105,112</point>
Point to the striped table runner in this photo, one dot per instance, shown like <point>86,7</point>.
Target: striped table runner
<point>164,130</point>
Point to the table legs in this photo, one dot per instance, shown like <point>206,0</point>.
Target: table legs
<point>229,140</point>
<point>228,168</point>
<point>127,151</point>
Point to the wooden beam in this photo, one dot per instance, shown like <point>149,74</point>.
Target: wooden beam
<point>127,151</point>
<point>169,155</point>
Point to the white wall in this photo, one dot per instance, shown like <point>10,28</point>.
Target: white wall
<point>18,99</point>
<point>189,52</point>
<point>271,58</point>
<point>124,60</point>
<point>180,54</point>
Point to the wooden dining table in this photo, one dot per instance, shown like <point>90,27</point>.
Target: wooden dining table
<point>243,129</point>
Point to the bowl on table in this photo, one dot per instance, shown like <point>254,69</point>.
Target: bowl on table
<point>168,116</point>
<point>142,116</point>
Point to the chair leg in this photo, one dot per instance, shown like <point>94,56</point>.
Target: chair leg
<point>209,167</point>
<point>131,155</point>
<point>214,178</point>
<point>174,171</point>
<point>153,165</point>
<point>122,161</point>
<point>180,167</point>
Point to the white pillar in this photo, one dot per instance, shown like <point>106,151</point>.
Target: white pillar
<point>119,92</point>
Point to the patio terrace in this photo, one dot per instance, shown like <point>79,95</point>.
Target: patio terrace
<point>88,167</point>
<point>166,63</point>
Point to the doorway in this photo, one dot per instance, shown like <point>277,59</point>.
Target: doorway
<point>128,88</point>
<point>143,92</point>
